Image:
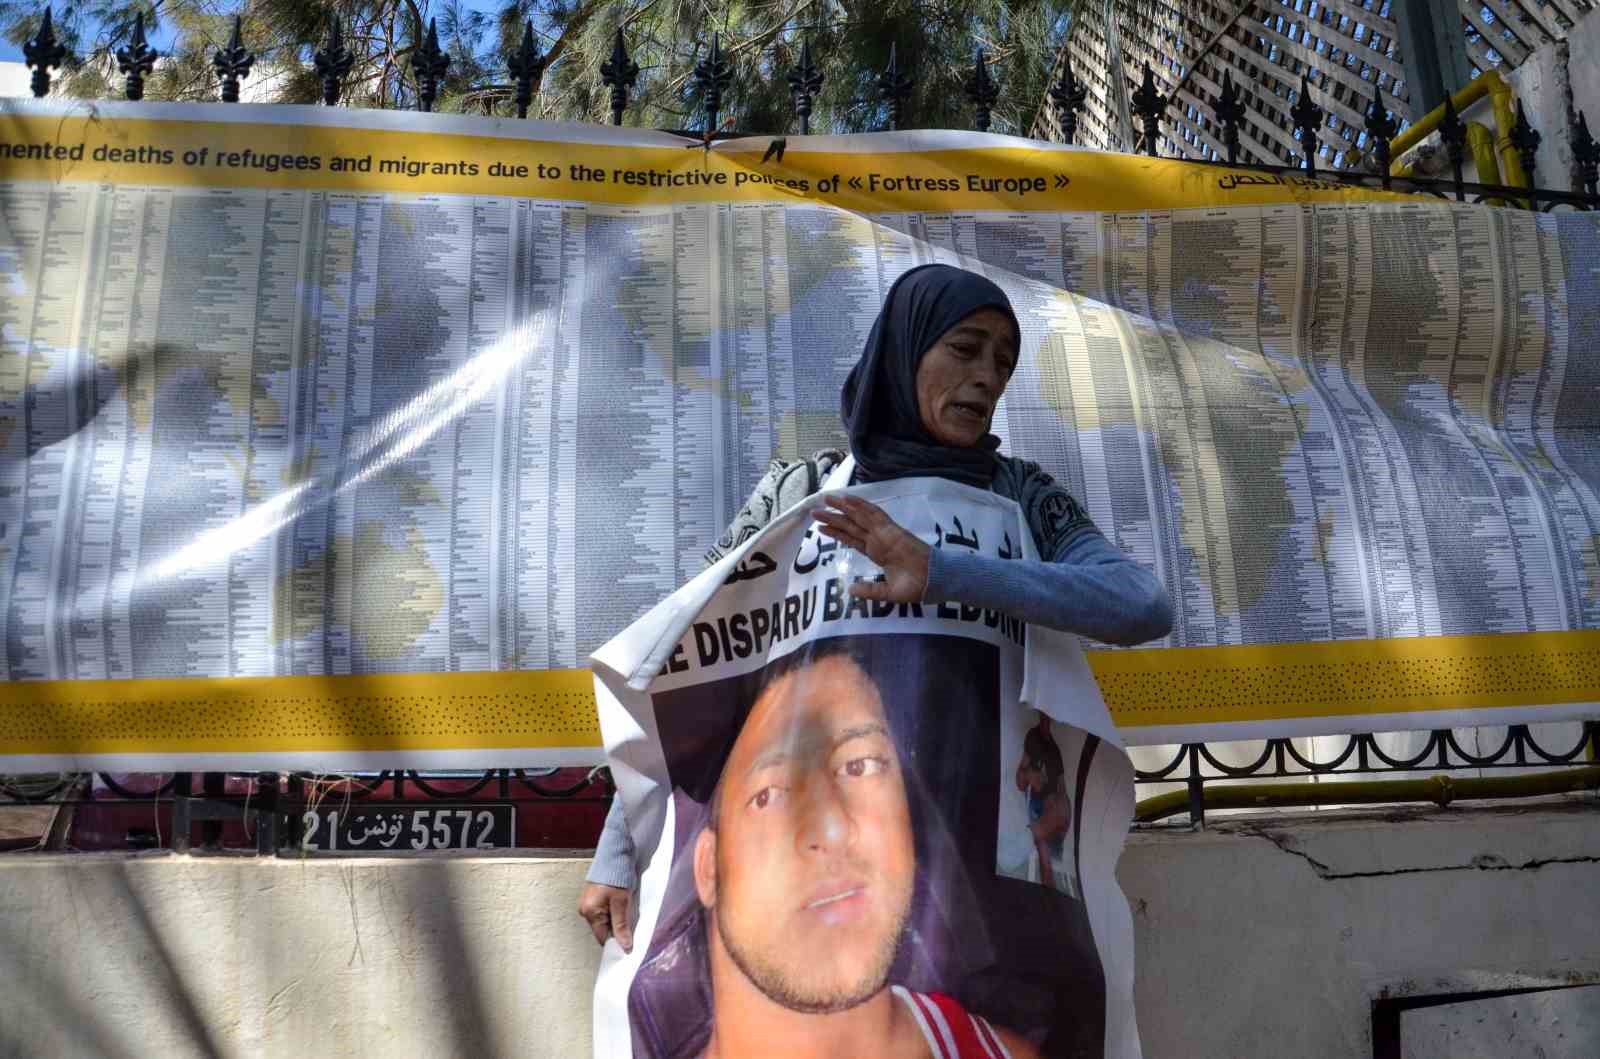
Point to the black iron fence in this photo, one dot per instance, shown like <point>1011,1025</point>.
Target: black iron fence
<point>281,813</point>
<point>1442,753</point>
<point>276,805</point>
<point>712,80</point>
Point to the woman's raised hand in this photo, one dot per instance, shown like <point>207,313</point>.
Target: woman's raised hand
<point>866,527</point>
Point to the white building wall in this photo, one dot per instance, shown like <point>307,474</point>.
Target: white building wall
<point>1556,83</point>
<point>110,955</point>
<point>1583,69</point>
<point>262,86</point>
<point>1261,937</point>
<point>15,79</point>
<point>1542,84</point>
<point>1273,937</point>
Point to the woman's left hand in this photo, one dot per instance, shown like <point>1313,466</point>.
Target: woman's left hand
<point>866,527</point>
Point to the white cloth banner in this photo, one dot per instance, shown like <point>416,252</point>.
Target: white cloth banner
<point>278,444</point>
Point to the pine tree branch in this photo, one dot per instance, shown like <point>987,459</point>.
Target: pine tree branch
<point>762,38</point>
<point>574,26</point>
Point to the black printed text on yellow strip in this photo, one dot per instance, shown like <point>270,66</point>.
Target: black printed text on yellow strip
<point>547,709</point>
<point>199,154</point>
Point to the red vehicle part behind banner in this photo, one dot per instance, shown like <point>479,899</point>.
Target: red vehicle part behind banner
<point>390,812</point>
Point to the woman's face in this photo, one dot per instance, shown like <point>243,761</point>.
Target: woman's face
<point>962,376</point>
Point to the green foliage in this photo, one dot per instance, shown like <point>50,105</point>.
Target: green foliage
<point>761,39</point>
<point>850,40</point>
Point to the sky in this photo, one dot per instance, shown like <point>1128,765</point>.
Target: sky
<point>13,53</point>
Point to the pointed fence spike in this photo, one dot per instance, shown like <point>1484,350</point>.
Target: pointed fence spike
<point>805,81</point>
<point>1069,95</point>
<point>233,62</point>
<point>1149,105</point>
<point>1229,111</point>
<point>428,65</point>
<point>982,91</point>
<point>620,73</point>
<point>1381,127</point>
<point>333,64</point>
<point>1307,117</point>
<point>42,53</point>
<point>526,66</point>
<point>1453,134</point>
<point>894,88</point>
<point>1587,154</point>
<point>712,75</point>
<point>136,60</point>
<point>1525,139</point>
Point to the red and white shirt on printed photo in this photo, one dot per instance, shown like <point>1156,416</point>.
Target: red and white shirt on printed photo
<point>950,1030</point>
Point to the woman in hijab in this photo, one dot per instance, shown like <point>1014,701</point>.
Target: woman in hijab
<point>919,404</point>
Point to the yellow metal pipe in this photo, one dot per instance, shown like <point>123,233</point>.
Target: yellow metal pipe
<point>1505,119</point>
<point>1501,100</point>
<point>1480,143</point>
<point>1441,790</point>
<point>1476,89</point>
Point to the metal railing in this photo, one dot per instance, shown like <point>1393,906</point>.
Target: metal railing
<point>1197,764</point>
<point>712,79</point>
<point>271,805</point>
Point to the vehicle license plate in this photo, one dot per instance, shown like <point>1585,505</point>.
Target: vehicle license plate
<point>348,828</point>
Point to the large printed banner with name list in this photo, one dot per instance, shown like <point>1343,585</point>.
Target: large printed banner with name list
<point>339,439</point>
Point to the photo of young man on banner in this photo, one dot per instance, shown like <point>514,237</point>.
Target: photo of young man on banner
<point>828,867</point>
<point>842,810</point>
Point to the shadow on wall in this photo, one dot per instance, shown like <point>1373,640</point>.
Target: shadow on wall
<point>180,956</point>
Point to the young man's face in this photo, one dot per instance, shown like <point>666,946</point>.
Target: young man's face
<point>809,871</point>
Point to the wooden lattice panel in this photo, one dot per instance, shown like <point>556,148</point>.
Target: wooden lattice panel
<point>1342,47</point>
<point>1502,33</point>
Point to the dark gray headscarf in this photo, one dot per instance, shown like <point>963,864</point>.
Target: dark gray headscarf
<point>879,402</point>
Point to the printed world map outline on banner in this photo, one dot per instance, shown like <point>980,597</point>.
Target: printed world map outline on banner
<point>340,438</point>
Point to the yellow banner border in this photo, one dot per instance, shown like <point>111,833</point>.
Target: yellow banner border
<point>218,146</point>
<point>368,713</point>
<point>1348,678</point>
<point>554,709</point>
